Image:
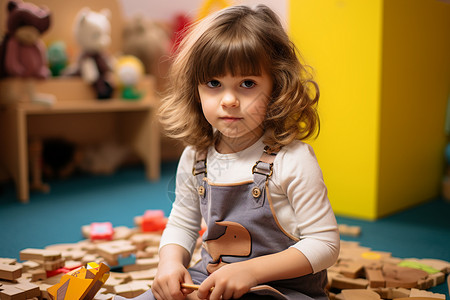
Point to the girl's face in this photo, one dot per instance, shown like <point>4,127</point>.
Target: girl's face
<point>236,107</point>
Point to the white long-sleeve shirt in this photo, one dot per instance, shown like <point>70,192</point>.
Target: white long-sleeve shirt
<point>297,189</point>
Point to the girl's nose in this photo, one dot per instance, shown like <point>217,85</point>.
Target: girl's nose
<point>229,99</point>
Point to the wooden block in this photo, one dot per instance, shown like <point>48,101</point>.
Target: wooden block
<point>139,287</point>
<point>111,283</point>
<point>391,293</point>
<point>112,250</point>
<point>416,298</point>
<point>124,290</point>
<point>30,265</point>
<point>349,230</point>
<point>10,272</point>
<point>423,293</point>
<point>39,254</point>
<point>31,290</point>
<point>341,282</point>
<point>52,264</point>
<point>10,292</point>
<point>38,274</point>
<point>396,276</point>
<point>437,278</point>
<point>348,268</point>
<point>441,265</point>
<point>375,277</point>
<point>357,294</point>
<point>144,274</point>
<point>142,264</point>
<point>122,233</point>
<point>107,296</point>
<point>144,240</point>
<point>8,261</point>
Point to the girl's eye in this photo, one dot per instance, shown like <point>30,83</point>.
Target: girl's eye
<point>213,84</point>
<point>248,84</point>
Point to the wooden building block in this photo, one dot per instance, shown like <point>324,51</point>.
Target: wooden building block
<point>423,293</point>
<point>142,264</point>
<point>10,272</point>
<point>143,275</point>
<point>416,298</point>
<point>31,290</point>
<point>341,282</point>
<point>348,268</point>
<point>30,265</point>
<point>441,265</point>
<point>396,276</point>
<point>112,250</point>
<point>39,254</point>
<point>375,277</point>
<point>8,261</point>
<point>144,240</point>
<point>10,292</point>
<point>357,294</point>
<point>437,278</point>
<point>38,274</point>
<point>349,230</point>
<point>391,293</point>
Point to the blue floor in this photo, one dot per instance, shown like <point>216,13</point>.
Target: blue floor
<point>57,217</point>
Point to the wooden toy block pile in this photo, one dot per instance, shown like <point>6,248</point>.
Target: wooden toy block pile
<point>361,273</point>
<point>132,254</point>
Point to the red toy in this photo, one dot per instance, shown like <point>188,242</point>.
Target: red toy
<point>101,231</point>
<point>153,220</point>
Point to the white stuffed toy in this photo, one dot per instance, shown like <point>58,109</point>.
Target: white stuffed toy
<point>93,34</point>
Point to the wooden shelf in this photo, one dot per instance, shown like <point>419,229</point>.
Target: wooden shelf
<point>77,115</point>
<point>111,105</point>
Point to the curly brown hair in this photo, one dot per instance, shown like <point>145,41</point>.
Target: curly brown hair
<point>241,41</point>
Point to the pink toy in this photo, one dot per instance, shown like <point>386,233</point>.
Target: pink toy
<point>22,52</point>
<point>101,231</point>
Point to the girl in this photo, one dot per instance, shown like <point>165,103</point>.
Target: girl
<point>239,95</point>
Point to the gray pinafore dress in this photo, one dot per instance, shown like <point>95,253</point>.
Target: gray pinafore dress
<point>241,225</point>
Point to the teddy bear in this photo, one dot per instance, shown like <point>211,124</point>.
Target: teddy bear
<point>92,33</point>
<point>151,43</point>
<point>22,51</point>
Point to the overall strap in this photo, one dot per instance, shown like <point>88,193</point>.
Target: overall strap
<point>264,166</point>
<point>200,163</point>
<point>199,171</point>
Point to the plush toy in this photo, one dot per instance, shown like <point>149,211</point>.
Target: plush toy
<point>129,70</point>
<point>151,43</point>
<point>57,57</point>
<point>23,52</point>
<point>92,33</point>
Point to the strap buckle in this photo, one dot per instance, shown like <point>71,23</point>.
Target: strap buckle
<point>201,170</point>
<point>259,171</point>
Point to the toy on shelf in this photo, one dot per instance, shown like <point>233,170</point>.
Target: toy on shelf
<point>153,220</point>
<point>129,70</point>
<point>150,42</point>
<point>92,33</point>
<point>82,283</point>
<point>101,231</point>
<point>23,51</point>
<point>57,57</point>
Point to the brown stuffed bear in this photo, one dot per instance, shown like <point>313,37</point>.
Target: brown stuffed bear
<point>22,52</point>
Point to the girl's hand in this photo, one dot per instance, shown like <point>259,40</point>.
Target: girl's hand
<point>230,281</point>
<point>168,279</point>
